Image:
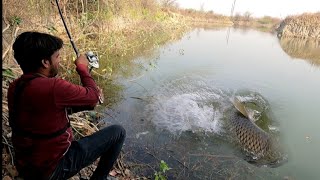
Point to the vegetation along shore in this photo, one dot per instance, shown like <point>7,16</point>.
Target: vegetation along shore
<point>118,31</point>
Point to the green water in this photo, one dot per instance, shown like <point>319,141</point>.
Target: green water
<point>172,107</point>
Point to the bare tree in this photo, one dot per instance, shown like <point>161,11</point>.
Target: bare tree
<point>168,3</point>
<point>232,8</point>
<point>202,7</point>
<point>237,17</point>
<point>247,16</point>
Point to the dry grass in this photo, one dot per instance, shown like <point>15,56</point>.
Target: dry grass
<point>110,30</point>
<point>306,25</point>
<point>266,23</point>
<point>194,17</point>
<point>305,18</point>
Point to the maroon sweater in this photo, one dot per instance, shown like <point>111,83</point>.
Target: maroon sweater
<point>42,110</point>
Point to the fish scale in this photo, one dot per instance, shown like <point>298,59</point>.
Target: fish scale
<point>252,137</point>
<point>255,141</point>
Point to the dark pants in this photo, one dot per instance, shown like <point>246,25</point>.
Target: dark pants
<point>106,144</point>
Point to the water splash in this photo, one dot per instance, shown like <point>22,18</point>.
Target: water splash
<point>187,105</point>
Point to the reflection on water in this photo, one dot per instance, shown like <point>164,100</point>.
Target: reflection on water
<point>306,49</point>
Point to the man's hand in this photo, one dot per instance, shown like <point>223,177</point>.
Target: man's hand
<point>82,59</point>
<point>101,96</point>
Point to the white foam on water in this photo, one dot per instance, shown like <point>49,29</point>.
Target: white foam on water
<point>182,113</point>
<point>245,98</point>
<point>185,108</point>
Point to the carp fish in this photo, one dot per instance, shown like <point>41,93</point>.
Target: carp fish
<point>262,147</point>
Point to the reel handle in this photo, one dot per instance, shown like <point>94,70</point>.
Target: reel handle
<point>93,60</point>
<point>93,63</point>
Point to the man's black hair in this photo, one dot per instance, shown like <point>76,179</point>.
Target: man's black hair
<point>30,48</point>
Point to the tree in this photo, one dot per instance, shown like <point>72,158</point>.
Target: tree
<point>202,7</point>
<point>247,16</point>
<point>168,3</point>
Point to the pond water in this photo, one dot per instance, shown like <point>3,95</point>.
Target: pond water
<point>169,107</point>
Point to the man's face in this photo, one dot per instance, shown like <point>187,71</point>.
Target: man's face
<point>55,63</point>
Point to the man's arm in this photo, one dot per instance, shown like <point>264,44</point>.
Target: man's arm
<point>67,94</point>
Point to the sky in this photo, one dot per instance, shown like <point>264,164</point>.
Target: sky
<point>258,8</point>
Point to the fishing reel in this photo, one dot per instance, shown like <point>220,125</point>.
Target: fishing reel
<point>93,60</point>
<point>94,63</point>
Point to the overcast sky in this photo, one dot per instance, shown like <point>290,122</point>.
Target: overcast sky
<point>258,8</point>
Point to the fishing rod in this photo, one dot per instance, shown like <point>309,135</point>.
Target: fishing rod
<point>92,58</point>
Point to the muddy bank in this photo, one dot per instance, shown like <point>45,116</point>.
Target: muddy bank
<point>302,26</point>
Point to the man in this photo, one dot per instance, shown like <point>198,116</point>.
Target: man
<point>38,102</point>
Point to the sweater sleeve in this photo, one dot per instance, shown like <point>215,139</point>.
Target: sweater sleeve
<point>67,94</point>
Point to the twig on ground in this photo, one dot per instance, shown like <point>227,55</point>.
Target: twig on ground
<point>196,166</point>
<point>13,38</point>
<point>86,122</point>
<point>154,156</point>
<point>145,164</point>
<point>78,131</point>
<point>12,161</point>
<point>17,70</point>
<point>100,122</point>
<point>6,28</point>
<point>210,155</point>
<point>5,107</point>
<point>7,144</point>
<point>186,167</point>
<point>109,115</point>
<point>224,169</point>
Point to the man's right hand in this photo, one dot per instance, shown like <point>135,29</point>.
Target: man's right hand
<point>82,59</point>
